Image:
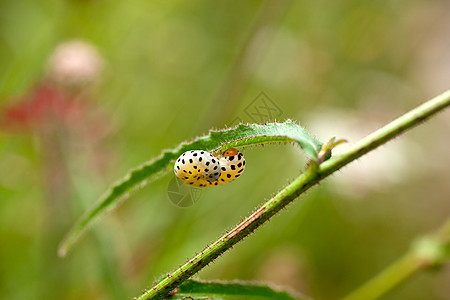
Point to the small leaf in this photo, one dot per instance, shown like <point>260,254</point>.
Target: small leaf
<point>195,289</point>
<point>325,151</point>
<point>240,136</point>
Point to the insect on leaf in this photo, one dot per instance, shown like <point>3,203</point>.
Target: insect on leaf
<point>239,136</point>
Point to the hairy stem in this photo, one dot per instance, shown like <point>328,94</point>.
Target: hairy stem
<point>249,224</point>
<point>388,132</point>
<point>431,250</point>
<point>310,177</point>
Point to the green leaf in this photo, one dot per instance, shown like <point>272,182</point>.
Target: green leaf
<point>240,136</point>
<point>228,290</point>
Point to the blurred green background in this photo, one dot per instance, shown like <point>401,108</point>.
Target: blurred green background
<point>91,88</point>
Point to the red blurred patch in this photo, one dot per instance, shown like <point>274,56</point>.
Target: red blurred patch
<point>45,104</point>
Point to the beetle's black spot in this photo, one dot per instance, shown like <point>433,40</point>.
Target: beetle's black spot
<point>207,163</point>
<point>184,171</point>
<point>195,167</point>
<point>202,152</point>
<point>230,158</point>
<point>215,168</point>
<point>178,167</point>
<point>201,184</point>
<point>182,161</point>
<point>233,167</point>
<point>239,165</point>
<point>190,172</point>
<point>224,169</point>
<point>191,183</point>
<point>222,179</point>
<point>206,170</point>
<point>200,158</point>
<point>228,175</point>
<point>186,177</point>
<point>178,160</point>
<point>214,161</point>
<point>190,160</point>
<point>244,163</point>
<point>215,183</point>
<point>195,154</point>
<point>217,173</point>
<point>237,175</point>
<point>240,170</point>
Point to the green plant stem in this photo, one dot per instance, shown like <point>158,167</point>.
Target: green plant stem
<point>431,250</point>
<point>256,219</point>
<point>391,277</point>
<point>388,132</point>
<point>310,177</point>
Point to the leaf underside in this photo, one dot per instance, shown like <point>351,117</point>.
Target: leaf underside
<point>239,136</point>
<point>194,290</point>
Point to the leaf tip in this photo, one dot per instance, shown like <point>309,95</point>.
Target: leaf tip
<point>63,248</point>
<point>62,252</point>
